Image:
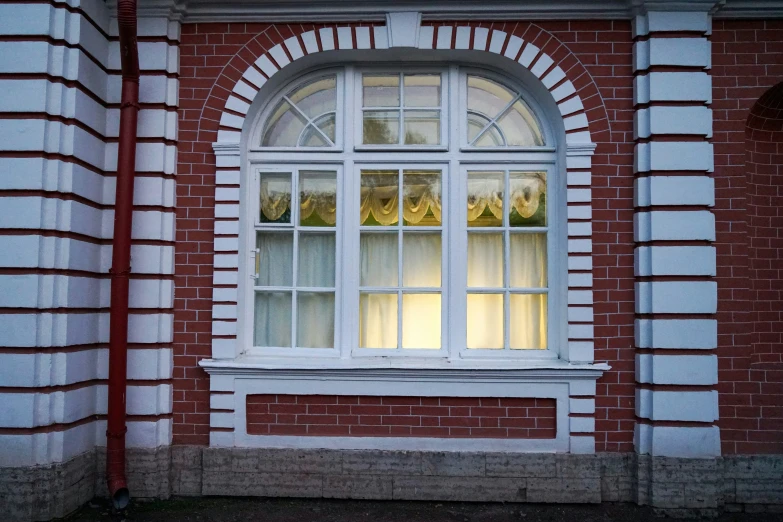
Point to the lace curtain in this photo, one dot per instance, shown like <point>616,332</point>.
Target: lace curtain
<point>525,196</point>
<point>380,198</point>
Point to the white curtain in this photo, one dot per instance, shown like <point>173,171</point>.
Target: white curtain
<point>421,313</point>
<point>528,321</point>
<point>485,321</point>
<point>316,260</point>
<point>273,310</point>
<point>527,311</point>
<point>527,269</point>
<point>421,321</point>
<point>378,320</point>
<point>273,319</point>
<point>421,260</point>
<point>527,266</point>
<point>378,264</point>
<point>315,311</point>
<point>275,261</point>
<point>315,320</point>
<point>485,260</point>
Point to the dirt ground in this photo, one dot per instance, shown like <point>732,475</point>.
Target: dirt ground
<point>302,510</point>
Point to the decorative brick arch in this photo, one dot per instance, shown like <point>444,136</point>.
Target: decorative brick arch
<point>569,84</point>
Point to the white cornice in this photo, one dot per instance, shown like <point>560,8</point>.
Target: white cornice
<point>750,9</point>
<point>376,10</point>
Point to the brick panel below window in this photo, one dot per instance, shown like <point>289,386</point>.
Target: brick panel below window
<point>362,416</point>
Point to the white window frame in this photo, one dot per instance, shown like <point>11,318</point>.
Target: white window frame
<point>295,229</point>
<point>459,306</point>
<point>455,158</point>
<point>339,117</point>
<point>465,145</point>
<point>358,101</point>
<point>353,231</point>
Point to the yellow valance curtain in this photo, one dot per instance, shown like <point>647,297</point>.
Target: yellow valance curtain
<point>418,198</point>
<point>488,194</point>
<point>382,201</point>
<point>323,204</point>
<point>274,205</point>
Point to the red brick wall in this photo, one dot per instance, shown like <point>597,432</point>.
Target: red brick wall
<point>595,55</point>
<point>747,61</point>
<point>764,161</point>
<point>359,416</point>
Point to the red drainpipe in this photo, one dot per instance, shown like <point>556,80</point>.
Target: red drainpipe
<point>120,261</point>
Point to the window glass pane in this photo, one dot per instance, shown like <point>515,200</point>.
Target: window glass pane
<point>527,199</point>
<point>315,320</point>
<point>312,138</point>
<point>476,124</point>
<point>379,261</point>
<point>275,198</point>
<point>317,198</point>
<point>272,319</point>
<point>528,321</point>
<point>283,127</point>
<point>421,259</point>
<point>275,258</point>
<point>316,260</point>
<point>485,260</point>
<point>316,97</point>
<point>487,97</point>
<point>379,204</point>
<point>381,90</point>
<point>485,199</point>
<point>381,127</point>
<point>422,127</point>
<point>327,125</point>
<point>527,265</point>
<point>378,320</point>
<point>421,203</point>
<point>520,127</point>
<point>421,321</point>
<point>422,90</point>
<point>491,138</point>
<point>485,321</point>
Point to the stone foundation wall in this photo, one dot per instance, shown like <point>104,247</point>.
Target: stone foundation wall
<point>676,487</point>
<point>47,492</point>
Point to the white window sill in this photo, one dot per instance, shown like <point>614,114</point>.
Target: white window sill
<point>361,368</point>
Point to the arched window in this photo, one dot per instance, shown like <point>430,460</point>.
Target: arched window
<point>403,211</point>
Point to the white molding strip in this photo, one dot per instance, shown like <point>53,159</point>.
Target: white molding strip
<point>331,11</point>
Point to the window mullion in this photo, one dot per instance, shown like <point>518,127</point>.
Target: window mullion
<point>399,256</point>
<point>295,268</point>
<point>401,137</point>
<point>454,240</point>
<point>455,278</point>
<point>349,296</point>
<point>506,261</point>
